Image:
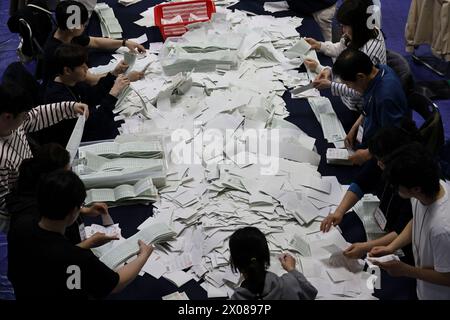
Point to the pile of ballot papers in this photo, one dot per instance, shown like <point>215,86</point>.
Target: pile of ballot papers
<point>142,191</point>
<point>121,165</point>
<point>120,253</point>
<point>109,24</point>
<point>232,158</point>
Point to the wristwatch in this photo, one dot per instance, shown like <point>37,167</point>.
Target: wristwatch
<point>124,41</point>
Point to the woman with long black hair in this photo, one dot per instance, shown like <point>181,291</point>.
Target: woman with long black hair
<point>250,256</point>
<point>359,33</point>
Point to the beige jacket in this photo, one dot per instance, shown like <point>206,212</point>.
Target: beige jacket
<point>429,23</point>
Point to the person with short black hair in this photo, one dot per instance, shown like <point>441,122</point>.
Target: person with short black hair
<point>416,175</point>
<point>384,102</point>
<point>68,33</point>
<point>18,118</point>
<point>251,257</point>
<point>62,270</point>
<point>354,16</point>
<point>69,85</point>
<point>393,212</point>
<point>22,205</point>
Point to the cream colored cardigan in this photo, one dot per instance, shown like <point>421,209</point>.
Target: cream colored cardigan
<point>429,23</point>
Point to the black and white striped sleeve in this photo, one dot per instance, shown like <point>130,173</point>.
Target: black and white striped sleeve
<point>46,115</point>
<point>342,90</point>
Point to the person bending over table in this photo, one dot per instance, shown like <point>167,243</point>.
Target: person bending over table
<point>69,85</point>
<point>67,33</point>
<point>250,255</point>
<point>353,16</point>
<point>17,119</point>
<point>415,174</point>
<point>384,102</point>
<point>61,270</point>
<point>22,202</point>
<point>393,212</point>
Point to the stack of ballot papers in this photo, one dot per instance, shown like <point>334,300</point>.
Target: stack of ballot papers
<point>339,156</point>
<point>152,234</point>
<point>91,163</point>
<point>142,192</point>
<point>138,149</point>
<point>232,158</point>
<point>111,231</point>
<point>109,24</point>
<point>367,209</point>
<point>112,164</point>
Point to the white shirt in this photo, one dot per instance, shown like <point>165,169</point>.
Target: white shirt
<point>431,243</point>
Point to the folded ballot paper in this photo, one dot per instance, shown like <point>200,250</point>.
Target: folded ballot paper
<point>109,24</point>
<point>339,156</point>
<point>383,259</point>
<point>126,194</point>
<point>154,233</point>
<point>112,230</point>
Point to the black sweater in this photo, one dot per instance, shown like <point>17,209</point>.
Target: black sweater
<point>309,6</point>
<point>100,124</point>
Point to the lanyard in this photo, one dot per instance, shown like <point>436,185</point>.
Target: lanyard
<point>417,245</point>
<point>386,214</point>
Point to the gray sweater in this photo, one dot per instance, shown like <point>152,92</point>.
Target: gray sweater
<point>290,286</point>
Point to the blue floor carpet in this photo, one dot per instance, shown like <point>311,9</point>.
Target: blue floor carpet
<point>394,14</point>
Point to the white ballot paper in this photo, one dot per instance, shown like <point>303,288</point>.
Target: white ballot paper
<point>75,138</point>
<point>301,89</point>
<point>386,258</point>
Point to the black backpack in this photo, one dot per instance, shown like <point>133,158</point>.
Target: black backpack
<point>34,24</point>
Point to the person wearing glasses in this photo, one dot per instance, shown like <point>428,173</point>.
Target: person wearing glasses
<point>358,34</point>
<point>416,175</point>
<point>49,266</point>
<point>22,202</point>
<point>393,212</point>
<point>384,101</point>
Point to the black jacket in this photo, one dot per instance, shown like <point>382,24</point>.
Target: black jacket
<point>309,6</point>
<point>100,124</point>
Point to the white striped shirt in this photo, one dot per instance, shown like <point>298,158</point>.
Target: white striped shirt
<point>374,48</point>
<point>15,148</point>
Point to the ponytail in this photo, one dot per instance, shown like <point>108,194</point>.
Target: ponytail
<point>256,276</point>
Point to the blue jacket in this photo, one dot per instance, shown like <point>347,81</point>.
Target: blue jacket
<point>384,102</point>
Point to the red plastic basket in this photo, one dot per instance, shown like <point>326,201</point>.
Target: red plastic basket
<point>203,9</point>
